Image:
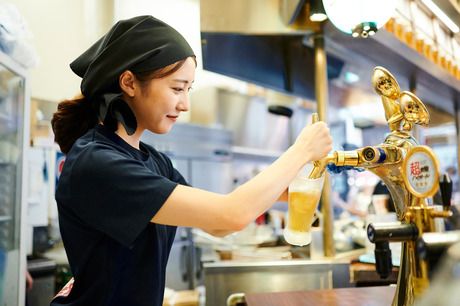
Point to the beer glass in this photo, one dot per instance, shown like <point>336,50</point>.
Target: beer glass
<point>303,198</point>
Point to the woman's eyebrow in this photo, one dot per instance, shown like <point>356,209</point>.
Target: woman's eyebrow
<point>183,81</point>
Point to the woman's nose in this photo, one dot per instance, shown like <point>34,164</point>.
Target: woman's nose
<point>184,103</point>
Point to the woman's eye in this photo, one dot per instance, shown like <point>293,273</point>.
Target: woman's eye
<point>190,88</point>
<point>178,89</point>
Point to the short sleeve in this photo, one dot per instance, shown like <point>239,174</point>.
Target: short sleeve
<point>174,174</point>
<point>115,194</point>
<point>178,178</point>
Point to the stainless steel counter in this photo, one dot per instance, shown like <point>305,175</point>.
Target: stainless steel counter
<point>226,277</point>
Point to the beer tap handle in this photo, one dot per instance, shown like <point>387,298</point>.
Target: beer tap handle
<point>381,234</point>
<point>319,166</point>
<point>445,186</point>
<point>314,118</point>
<point>383,263</point>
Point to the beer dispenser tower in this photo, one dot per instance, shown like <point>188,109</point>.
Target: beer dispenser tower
<point>411,173</point>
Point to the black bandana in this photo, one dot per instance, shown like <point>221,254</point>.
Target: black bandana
<point>139,44</point>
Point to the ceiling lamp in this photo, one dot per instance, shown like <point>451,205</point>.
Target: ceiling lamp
<point>359,17</point>
<point>317,13</point>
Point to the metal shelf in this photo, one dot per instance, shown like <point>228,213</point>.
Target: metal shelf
<point>434,85</point>
<point>5,218</point>
<point>4,117</point>
<point>255,153</point>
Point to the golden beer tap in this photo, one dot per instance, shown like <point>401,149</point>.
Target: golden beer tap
<point>410,172</point>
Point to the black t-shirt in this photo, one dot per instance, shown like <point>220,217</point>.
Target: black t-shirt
<point>107,194</point>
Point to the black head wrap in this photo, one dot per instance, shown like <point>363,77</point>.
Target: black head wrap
<point>139,44</point>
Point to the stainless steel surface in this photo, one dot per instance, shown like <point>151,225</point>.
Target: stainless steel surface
<point>444,288</point>
<point>211,175</point>
<point>251,17</point>
<point>227,277</point>
<point>182,268</point>
<point>431,246</point>
<point>202,155</point>
<point>190,141</point>
<point>252,125</point>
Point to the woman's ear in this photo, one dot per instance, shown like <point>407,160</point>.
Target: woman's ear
<point>127,83</point>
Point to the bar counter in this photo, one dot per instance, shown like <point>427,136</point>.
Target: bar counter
<point>364,296</point>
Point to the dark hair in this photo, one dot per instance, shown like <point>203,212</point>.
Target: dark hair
<point>76,116</point>
<point>73,119</point>
<point>145,77</point>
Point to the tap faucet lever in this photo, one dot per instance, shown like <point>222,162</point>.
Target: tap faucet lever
<point>384,233</point>
<point>445,186</point>
<point>383,263</point>
<point>319,166</point>
<point>314,118</point>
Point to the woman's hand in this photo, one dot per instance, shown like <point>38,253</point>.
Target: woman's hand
<point>314,141</point>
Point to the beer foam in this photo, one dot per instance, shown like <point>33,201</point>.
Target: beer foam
<point>306,185</point>
<point>297,238</point>
<point>305,188</point>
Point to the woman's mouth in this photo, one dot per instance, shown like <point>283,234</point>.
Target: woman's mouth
<point>173,118</point>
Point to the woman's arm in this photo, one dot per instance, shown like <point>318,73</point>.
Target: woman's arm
<point>210,211</point>
<point>222,233</point>
<point>283,197</point>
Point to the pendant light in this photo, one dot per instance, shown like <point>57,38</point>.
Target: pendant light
<point>317,13</point>
<point>359,17</point>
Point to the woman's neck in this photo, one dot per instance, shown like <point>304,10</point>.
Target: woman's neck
<point>133,140</point>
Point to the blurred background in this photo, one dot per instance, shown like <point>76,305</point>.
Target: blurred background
<point>254,91</point>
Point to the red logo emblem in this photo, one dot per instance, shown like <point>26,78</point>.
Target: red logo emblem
<point>415,169</point>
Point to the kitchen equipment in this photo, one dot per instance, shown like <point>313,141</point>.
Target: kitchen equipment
<point>14,135</point>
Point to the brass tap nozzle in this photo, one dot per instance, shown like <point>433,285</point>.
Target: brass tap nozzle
<point>366,157</point>
<point>338,158</point>
<point>319,166</point>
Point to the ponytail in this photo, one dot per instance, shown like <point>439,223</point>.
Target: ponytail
<point>71,121</point>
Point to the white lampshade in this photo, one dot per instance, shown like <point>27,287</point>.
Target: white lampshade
<point>349,15</point>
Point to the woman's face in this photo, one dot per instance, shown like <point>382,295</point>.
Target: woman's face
<point>159,103</point>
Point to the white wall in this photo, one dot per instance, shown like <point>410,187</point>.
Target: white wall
<point>183,15</point>
<point>61,31</point>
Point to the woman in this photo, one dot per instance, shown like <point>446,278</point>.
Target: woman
<point>120,200</point>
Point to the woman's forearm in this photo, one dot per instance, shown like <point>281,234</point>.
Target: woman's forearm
<point>258,194</point>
